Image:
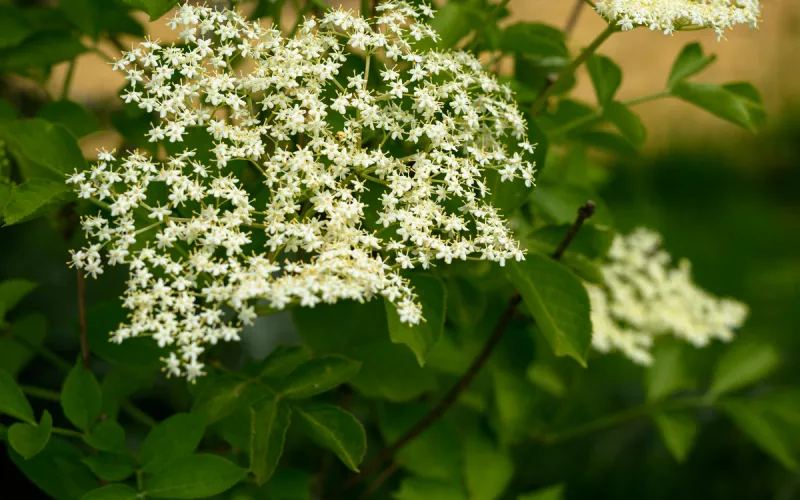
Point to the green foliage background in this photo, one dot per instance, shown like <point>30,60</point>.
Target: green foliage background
<point>311,395</point>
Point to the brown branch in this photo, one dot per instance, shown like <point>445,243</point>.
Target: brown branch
<point>584,213</point>
<point>574,15</point>
<point>82,319</point>
<point>452,395</point>
<point>386,474</point>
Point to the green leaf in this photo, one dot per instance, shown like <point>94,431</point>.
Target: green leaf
<point>41,50</point>
<point>195,476</point>
<point>14,27</point>
<point>690,61</point>
<point>110,465</point>
<point>154,8</point>
<point>768,433</point>
<point>743,364</point>
<point>453,22</point>
<point>83,13</point>
<point>678,431</point>
<point>606,78</point>
<point>269,421</point>
<point>545,377</point>
<point>506,196</point>
<point>7,111</point>
<point>360,332</point>
<point>14,290</point>
<point>81,398</point>
<point>57,470</point>
<point>627,122</point>
<point>435,453</point>
<point>335,429</point>
<point>48,144</point>
<point>218,398</point>
<point>140,354</point>
<point>534,39</point>
<point>558,302</point>
<point>550,493</point>
<point>14,355</point>
<point>734,102</point>
<point>108,435</point>
<point>668,373</point>
<point>418,488</point>
<point>268,8</point>
<point>35,197</point>
<point>75,117</point>
<point>12,400</point>
<point>288,484</point>
<point>560,203</point>
<point>112,492</point>
<point>176,437</point>
<point>488,468</point>
<point>422,337</point>
<point>29,439</point>
<point>318,375</point>
<point>593,241</point>
<point>608,141</point>
<point>284,359</point>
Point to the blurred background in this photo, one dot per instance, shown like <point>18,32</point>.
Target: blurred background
<point>726,199</point>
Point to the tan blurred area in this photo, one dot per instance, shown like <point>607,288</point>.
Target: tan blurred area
<point>768,57</point>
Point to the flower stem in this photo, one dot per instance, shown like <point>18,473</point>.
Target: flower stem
<point>67,432</point>
<point>647,98</point>
<point>570,69</point>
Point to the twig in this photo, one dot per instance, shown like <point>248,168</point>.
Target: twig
<point>41,393</point>
<point>586,211</point>
<point>82,319</point>
<point>386,474</point>
<point>68,80</point>
<point>574,15</point>
<point>452,395</point>
<point>551,85</point>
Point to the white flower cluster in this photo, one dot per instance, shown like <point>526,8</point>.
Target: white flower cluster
<point>674,15</point>
<point>344,107</point>
<point>644,297</point>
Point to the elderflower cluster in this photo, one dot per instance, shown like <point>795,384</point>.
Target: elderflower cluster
<point>644,297</point>
<point>343,120</point>
<point>674,15</point>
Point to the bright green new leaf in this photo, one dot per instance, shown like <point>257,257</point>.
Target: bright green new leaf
<point>558,301</point>
<point>335,429</point>
<point>284,359</point>
<point>534,39</point>
<point>550,493</point>
<point>418,488</point>
<point>606,78</point>
<point>81,398</point>
<point>754,420</point>
<point>488,468</point>
<point>14,290</point>
<point>360,332</point>
<point>743,364</point>
<point>29,439</point>
<point>269,421</point>
<point>48,144</point>
<point>218,398</point>
<point>678,431</point>
<point>108,435</point>
<point>154,8</point>
<point>627,122</point>
<point>35,197</point>
<point>195,476</point>
<point>112,492</point>
<point>317,376</point>
<point>110,465</point>
<point>690,61</point>
<point>176,437</point>
<point>668,373</point>
<point>75,117</point>
<point>12,400</point>
<point>733,102</point>
<point>420,338</point>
